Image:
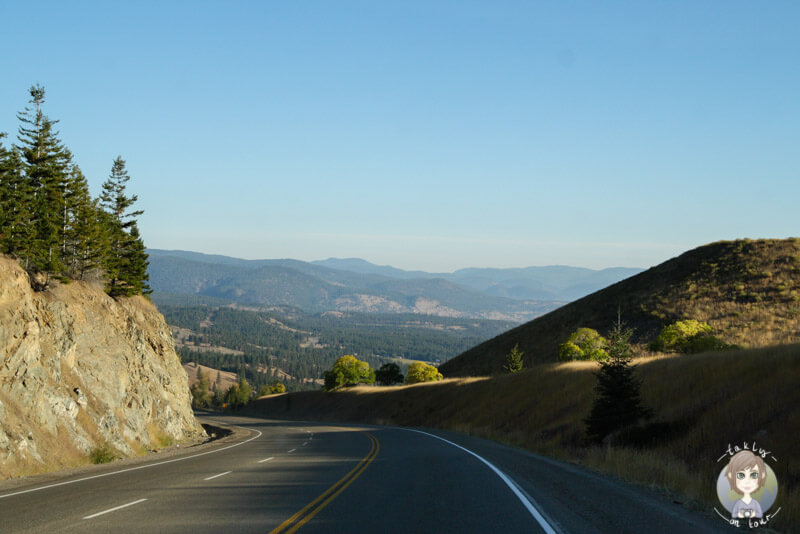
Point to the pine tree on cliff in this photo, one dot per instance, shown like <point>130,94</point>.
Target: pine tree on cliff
<point>45,165</point>
<point>15,201</point>
<point>126,262</point>
<point>134,268</point>
<point>85,223</point>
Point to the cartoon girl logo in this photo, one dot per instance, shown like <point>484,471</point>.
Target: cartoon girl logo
<point>746,473</point>
<point>747,488</point>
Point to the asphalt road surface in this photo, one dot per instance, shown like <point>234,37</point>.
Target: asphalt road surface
<point>284,477</point>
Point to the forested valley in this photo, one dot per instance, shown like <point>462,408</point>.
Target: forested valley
<point>296,348</point>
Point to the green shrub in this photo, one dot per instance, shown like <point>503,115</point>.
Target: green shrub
<point>102,454</point>
<point>272,389</point>
<point>687,337</point>
<point>422,372</point>
<point>583,344</point>
<point>569,351</point>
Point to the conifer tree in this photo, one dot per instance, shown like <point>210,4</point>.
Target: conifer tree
<point>126,263</point>
<point>15,202</point>
<point>134,269</point>
<point>514,361</point>
<point>618,404</point>
<point>45,168</point>
<point>85,236</point>
<point>6,193</point>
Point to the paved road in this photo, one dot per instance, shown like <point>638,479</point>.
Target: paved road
<point>282,477</point>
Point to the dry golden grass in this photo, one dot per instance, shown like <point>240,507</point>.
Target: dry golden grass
<point>702,403</point>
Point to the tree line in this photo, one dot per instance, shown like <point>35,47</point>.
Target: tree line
<point>350,371</point>
<point>49,221</point>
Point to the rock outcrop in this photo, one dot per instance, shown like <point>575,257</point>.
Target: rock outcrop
<point>80,371</point>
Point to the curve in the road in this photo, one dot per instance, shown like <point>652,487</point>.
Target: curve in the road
<point>526,500</point>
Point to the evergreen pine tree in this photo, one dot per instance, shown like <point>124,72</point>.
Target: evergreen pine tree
<point>126,262</point>
<point>618,404</point>
<point>45,164</point>
<point>6,194</point>
<point>85,241</point>
<point>133,271</point>
<point>514,361</point>
<point>15,202</point>
<point>45,168</point>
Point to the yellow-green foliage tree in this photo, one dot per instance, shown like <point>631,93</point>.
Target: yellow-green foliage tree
<point>238,395</point>
<point>687,337</point>
<point>422,372</point>
<point>348,371</point>
<point>201,395</point>
<point>272,389</point>
<point>583,344</point>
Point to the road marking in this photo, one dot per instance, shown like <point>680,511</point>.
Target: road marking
<point>292,450</point>
<point>304,444</point>
<point>134,468</point>
<point>219,475</point>
<point>314,507</point>
<point>114,509</point>
<point>266,459</point>
<point>526,500</point>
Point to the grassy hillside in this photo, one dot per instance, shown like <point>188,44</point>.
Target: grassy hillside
<point>695,399</point>
<point>748,291</point>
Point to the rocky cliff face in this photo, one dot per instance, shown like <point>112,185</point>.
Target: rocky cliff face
<point>80,370</point>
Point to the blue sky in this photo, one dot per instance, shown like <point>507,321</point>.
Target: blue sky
<point>427,135</point>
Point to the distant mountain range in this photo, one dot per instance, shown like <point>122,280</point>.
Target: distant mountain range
<point>357,285</point>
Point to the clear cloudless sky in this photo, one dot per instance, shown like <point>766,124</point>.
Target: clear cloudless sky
<point>426,134</point>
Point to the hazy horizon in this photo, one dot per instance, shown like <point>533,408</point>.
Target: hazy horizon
<point>316,260</point>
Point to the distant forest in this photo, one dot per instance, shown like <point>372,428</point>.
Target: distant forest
<point>270,343</point>
<point>50,223</point>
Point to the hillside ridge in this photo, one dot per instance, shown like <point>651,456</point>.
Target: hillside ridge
<point>747,290</point>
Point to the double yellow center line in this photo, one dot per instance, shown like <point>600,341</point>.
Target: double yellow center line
<point>302,517</point>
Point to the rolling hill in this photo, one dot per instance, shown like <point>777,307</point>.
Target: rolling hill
<point>747,290</point>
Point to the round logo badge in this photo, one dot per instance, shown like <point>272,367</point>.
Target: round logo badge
<point>747,487</point>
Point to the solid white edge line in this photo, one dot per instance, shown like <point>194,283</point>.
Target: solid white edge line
<point>524,498</point>
<point>266,459</point>
<point>114,509</point>
<point>134,468</point>
<point>219,475</point>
